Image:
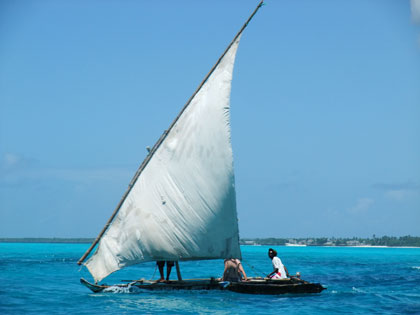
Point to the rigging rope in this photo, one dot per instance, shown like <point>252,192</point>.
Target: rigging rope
<point>255,269</point>
<point>154,273</point>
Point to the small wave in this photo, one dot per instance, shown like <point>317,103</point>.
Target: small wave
<point>118,289</point>
<point>358,290</point>
<point>416,267</point>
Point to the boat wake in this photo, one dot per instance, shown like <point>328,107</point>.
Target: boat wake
<point>354,289</point>
<point>119,289</point>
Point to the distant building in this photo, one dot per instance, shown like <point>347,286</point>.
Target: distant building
<point>250,243</point>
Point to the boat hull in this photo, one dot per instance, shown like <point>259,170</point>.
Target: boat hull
<point>275,288</point>
<point>193,284</point>
<point>268,287</point>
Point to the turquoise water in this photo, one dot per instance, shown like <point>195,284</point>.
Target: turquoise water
<point>44,278</point>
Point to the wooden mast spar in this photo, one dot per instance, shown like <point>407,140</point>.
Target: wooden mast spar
<point>162,138</point>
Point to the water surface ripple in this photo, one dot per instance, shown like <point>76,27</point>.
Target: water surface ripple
<point>44,278</point>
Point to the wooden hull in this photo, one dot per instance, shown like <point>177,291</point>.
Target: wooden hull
<point>254,286</point>
<point>275,287</point>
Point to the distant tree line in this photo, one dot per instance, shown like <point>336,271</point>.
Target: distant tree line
<point>412,241</point>
<point>396,241</point>
<point>46,240</point>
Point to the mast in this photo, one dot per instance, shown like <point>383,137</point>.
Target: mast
<point>162,138</point>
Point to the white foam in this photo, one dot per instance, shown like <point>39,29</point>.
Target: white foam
<point>118,289</point>
<point>358,290</point>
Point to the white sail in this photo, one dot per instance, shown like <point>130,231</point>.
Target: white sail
<point>183,205</point>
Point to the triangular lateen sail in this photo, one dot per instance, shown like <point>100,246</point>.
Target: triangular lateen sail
<point>183,205</point>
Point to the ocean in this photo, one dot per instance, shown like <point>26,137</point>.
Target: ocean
<point>44,279</point>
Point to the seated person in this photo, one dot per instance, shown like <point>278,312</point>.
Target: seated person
<point>233,271</point>
<point>280,271</point>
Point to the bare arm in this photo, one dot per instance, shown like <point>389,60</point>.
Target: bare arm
<point>272,273</point>
<point>224,272</point>
<point>287,272</point>
<point>241,270</point>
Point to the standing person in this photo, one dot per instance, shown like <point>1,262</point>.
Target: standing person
<point>161,264</point>
<point>280,271</point>
<point>233,271</point>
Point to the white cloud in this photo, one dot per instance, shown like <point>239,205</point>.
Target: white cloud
<point>415,13</point>
<point>17,169</point>
<point>399,191</point>
<point>88,175</point>
<point>397,194</point>
<point>70,175</point>
<point>415,10</point>
<point>362,205</point>
<point>11,160</point>
<point>401,194</point>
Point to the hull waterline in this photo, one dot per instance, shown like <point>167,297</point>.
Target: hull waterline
<point>254,286</point>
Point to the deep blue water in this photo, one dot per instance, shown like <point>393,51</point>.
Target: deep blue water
<point>44,278</point>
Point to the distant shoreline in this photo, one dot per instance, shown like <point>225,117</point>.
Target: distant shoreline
<point>332,246</point>
<point>247,242</point>
<point>47,240</point>
<point>374,241</point>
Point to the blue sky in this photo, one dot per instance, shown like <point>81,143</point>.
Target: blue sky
<point>325,110</point>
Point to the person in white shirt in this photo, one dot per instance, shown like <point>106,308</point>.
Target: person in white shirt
<point>280,271</point>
